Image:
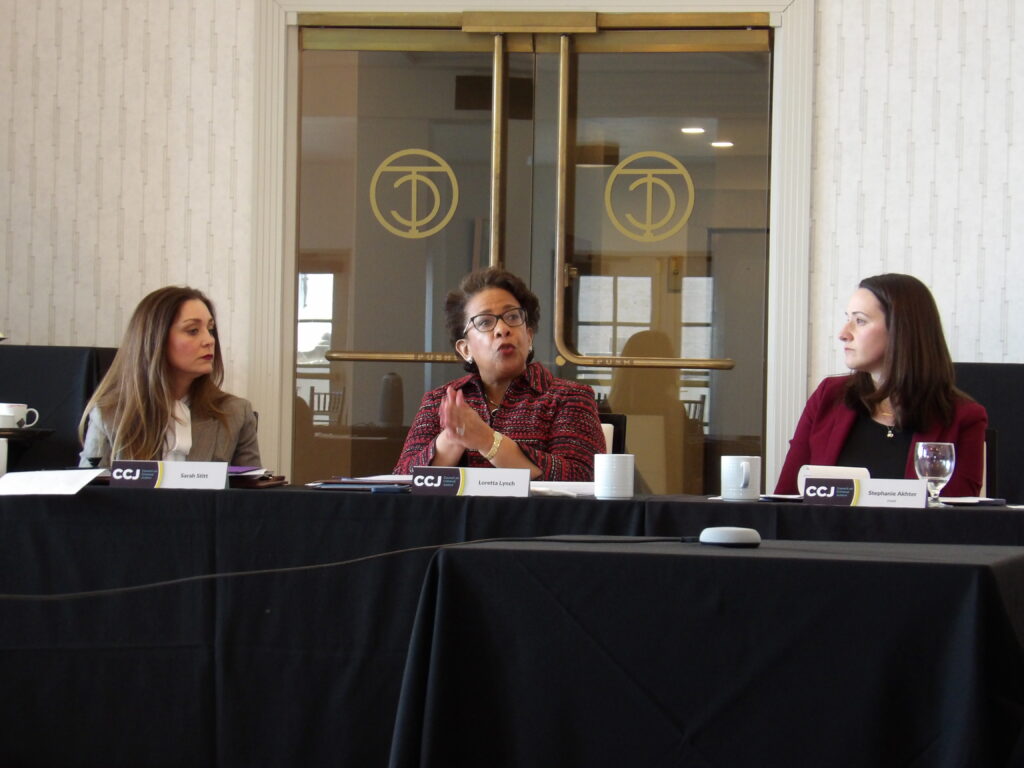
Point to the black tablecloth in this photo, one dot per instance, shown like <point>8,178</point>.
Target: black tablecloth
<point>688,515</point>
<point>125,680</point>
<point>311,662</point>
<point>618,653</point>
<point>299,668</point>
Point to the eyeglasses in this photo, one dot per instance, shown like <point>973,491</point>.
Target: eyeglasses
<point>485,321</point>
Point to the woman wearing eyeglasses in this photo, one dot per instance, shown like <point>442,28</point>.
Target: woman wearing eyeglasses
<point>508,412</point>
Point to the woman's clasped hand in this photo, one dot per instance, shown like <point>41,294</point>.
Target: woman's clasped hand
<point>508,411</point>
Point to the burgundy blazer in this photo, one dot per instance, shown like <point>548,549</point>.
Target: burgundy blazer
<point>826,423</point>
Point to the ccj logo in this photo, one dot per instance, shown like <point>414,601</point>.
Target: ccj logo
<point>438,481</point>
<point>414,193</point>
<point>140,474</point>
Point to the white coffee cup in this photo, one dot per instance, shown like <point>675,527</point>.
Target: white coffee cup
<point>613,475</point>
<point>741,477</point>
<point>13,416</point>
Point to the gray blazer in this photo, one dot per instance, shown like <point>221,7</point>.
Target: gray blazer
<point>211,441</point>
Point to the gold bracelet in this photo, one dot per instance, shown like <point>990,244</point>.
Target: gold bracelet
<point>498,437</point>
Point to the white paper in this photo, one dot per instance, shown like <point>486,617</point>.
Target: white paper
<point>968,501</point>
<point>560,488</point>
<point>47,482</point>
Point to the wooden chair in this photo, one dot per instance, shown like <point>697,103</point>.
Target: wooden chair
<point>327,407</point>
<point>695,409</point>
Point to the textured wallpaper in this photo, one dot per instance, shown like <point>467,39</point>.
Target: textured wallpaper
<point>125,165</point>
<point>919,165</point>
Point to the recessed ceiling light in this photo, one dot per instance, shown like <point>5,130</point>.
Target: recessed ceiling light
<point>692,129</point>
<point>721,143</point>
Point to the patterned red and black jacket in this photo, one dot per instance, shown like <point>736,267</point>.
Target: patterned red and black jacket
<point>553,421</point>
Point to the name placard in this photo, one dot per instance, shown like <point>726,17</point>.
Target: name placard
<point>470,481</point>
<point>875,492</point>
<point>169,474</point>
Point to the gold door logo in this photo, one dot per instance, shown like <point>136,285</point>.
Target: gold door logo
<point>657,187</point>
<point>417,170</point>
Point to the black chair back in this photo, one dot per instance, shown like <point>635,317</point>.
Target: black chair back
<point>992,463</point>
<point>998,386</point>
<point>617,420</point>
<point>57,382</point>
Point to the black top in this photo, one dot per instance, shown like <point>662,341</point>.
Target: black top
<point>869,445</point>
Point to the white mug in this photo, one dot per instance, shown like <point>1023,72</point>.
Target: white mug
<point>13,416</point>
<point>613,475</point>
<point>741,477</point>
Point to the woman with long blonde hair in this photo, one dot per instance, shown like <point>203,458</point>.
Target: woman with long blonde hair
<point>161,398</point>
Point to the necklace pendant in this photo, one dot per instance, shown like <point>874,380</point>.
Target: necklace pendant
<point>889,432</point>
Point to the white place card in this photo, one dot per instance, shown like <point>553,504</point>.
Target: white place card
<point>470,481</point>
<point>169,474</point>
<point>561,488</point>
<point>874,492</point>
<point>44,482</point>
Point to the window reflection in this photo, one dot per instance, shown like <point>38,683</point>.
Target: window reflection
<point>612,309</point>
<point>315,314</point>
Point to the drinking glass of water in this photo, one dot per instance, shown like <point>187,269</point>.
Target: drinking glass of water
<point>934,463</point>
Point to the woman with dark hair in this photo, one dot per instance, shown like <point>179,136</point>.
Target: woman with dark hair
<point>508,411</point>
<point>161,398</point>
<point>901,392</point>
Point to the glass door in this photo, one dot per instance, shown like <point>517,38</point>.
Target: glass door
<point>393,209</point>
<point>665,240</point>
<point>645,243</point>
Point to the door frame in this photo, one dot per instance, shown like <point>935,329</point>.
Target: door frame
<point>272,337</point>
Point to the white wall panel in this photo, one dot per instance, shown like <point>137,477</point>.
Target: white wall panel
<point>917,167</point>
<point>126,141</point>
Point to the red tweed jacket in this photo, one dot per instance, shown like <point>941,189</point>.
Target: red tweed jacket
<point>553,421</point>
<point>826,423</point>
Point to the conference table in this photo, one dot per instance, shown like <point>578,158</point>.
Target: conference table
<point>606,652</point>
<point>296,654</point>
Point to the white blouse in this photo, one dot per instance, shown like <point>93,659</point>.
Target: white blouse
<point>179,433</point>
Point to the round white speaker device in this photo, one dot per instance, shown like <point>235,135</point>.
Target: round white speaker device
<point>727,536</point>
